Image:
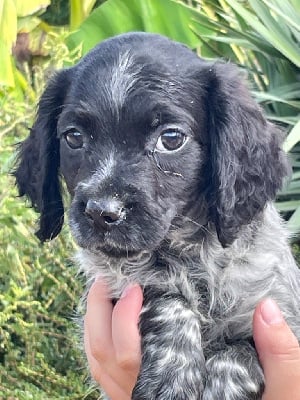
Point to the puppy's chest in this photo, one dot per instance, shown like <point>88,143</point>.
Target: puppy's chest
<point>201,286</point>
<point>189,279</point>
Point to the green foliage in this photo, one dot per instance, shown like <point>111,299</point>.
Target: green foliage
<point>14,17</point>
<point>24,25</point>
<point>79,11</point>
<point>118,16</point>
<point>257,36</point>
<point>57,13</point>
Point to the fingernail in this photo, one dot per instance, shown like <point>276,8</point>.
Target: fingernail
<point>271,313</point>
<point>127,290</point>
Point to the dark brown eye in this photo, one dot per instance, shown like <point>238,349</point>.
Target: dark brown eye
<point>74,139</point>
<point>170,140</point>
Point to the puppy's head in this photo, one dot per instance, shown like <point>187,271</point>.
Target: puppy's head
<point>146,136</point>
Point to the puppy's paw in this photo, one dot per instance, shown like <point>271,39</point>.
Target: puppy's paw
<point>168,384</point>
<point>232,377</point>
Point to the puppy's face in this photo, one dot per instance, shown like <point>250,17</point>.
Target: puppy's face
<point>130,152</point>
<point>147,137</point>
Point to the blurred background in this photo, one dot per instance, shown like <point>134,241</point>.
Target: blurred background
<point>39,289</point>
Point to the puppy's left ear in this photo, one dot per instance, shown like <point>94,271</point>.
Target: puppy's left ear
<point>38,159</point>
<point>246,165</point>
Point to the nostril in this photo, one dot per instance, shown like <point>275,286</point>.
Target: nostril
<point>104,213</point>
<point>111,217</point>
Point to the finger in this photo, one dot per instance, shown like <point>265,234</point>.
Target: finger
<point>111,388</point>
<point>279,352</point>
<point>273,337</point>
<point>125,333</point>
<point>98,325</point>
<point>98,322</point>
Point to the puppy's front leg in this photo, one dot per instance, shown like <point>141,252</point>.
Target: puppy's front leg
<point>234,374</point>
<point>173,365</point>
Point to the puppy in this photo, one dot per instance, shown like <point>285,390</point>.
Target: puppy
<point>172,170</point>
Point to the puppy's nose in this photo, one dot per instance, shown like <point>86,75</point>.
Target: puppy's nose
<point>104,213</point>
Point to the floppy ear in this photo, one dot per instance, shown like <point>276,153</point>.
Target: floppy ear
<point>38,160</point>
<point>246,164</point>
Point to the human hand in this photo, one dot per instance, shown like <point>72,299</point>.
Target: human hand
<point>112,341</point>
<point>279,353</point>
<point>112,344</point>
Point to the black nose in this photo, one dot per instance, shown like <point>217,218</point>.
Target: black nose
<point>104,213</point>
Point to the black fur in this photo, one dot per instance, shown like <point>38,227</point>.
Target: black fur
<point>37,174</point>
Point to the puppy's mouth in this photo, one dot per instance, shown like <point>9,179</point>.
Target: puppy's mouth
<point>115,243</point>
<point>116,252</point>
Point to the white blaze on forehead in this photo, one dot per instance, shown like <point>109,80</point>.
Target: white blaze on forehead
<point>124,75</point>
<point>106,166</point>
<point>105,171</point>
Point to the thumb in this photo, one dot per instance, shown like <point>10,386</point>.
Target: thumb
<point>279,352</point>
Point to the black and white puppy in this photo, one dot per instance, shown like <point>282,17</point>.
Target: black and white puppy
<point>172,170</point>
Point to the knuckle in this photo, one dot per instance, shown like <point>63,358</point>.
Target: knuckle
<point>127,361</point>
<point>100,352</point>
<point>290,355</point>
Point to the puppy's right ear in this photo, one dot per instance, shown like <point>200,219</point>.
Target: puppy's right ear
<point>38,159</point>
